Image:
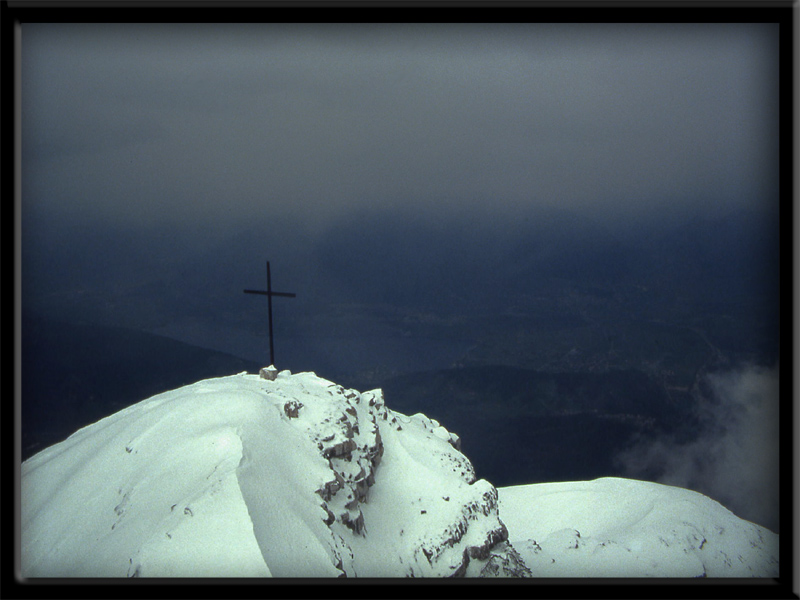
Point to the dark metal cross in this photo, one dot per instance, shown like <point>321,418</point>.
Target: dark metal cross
<point>269,294</point>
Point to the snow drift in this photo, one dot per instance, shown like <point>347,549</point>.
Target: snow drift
<point>245,477</point>
<point>614,527</point>
<point>294,476</point>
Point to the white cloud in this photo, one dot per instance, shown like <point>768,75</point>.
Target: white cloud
<point>734,458</point>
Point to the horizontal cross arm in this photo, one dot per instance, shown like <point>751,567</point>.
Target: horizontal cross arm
<point>263,293</point>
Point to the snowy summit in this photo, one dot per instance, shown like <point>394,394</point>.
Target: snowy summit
<point>291,475</point>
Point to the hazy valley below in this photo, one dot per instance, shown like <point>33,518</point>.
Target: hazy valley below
<point>555,349</point>
<point>571,419</point>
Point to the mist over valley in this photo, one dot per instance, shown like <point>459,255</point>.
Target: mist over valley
<point>561,344</point>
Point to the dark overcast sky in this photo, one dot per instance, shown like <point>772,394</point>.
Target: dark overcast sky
<point>208,126</point>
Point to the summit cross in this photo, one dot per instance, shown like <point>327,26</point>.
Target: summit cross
<point>269,294</point>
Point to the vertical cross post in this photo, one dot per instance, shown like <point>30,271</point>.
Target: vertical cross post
<point>269,294</point>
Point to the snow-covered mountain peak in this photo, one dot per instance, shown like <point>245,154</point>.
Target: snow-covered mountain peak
<point>280,475</point>
<point>292,475</point>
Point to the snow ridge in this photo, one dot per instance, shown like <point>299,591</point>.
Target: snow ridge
<point>613,527</point>
<point>346,427</point>
<point>244,476</point>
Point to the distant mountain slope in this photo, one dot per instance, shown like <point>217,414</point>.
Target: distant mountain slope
<point>74,374</point>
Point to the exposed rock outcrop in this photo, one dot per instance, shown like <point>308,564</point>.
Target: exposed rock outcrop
<point>269,373</point>
<point>454,532</point>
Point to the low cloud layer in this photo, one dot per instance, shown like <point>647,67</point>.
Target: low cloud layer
<point>734,459</point>
<point>207,126</point>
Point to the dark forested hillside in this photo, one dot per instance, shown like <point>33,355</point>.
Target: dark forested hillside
<point>520,426</point>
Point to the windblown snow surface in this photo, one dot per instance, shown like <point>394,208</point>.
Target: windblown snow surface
<point>614,527</point>
<point>295,476</point>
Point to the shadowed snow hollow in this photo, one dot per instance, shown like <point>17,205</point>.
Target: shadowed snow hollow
<point>248,476</point>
